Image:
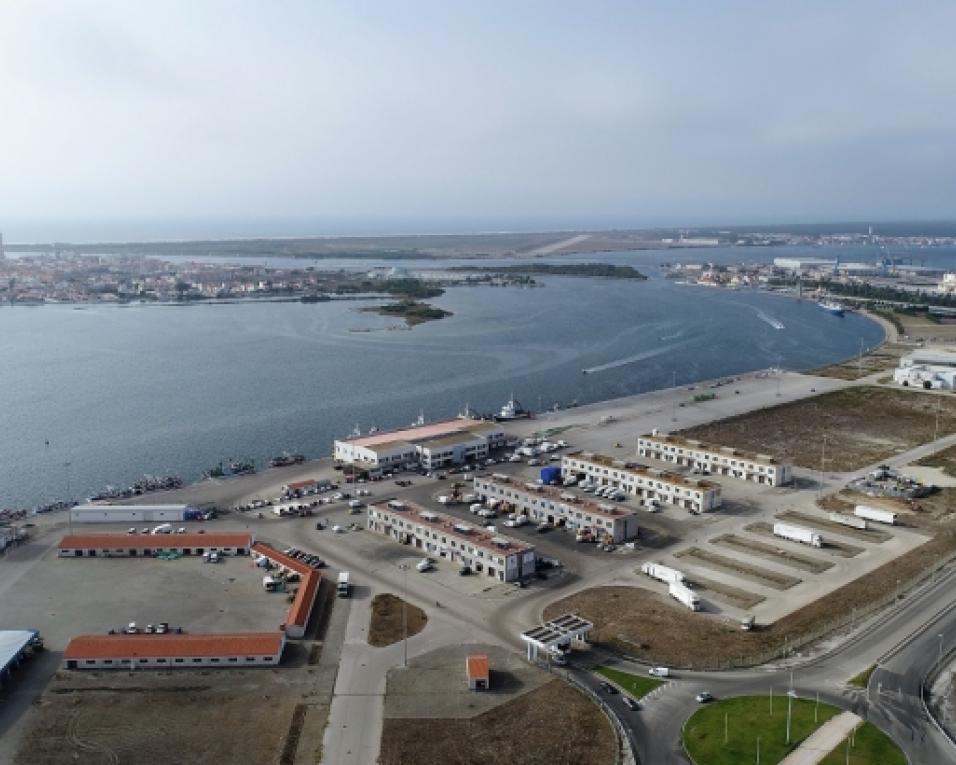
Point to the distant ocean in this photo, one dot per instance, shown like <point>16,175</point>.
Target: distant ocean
<point>122,391</point>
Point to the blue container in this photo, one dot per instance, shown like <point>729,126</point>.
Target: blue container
<point>551,474</point>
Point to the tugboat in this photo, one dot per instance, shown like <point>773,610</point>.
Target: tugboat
<point>285,459</point>
<point>512,411</point>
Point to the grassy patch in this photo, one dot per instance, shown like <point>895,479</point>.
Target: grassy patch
<point>869,746</point>
<point>553,725</point>
<point>748,718</point>
<point>861,680</point>
<point>944,460</point>
<point>412,311</point>
<point>386,623</point>
<point>863,425</point>
<point>636,685</point>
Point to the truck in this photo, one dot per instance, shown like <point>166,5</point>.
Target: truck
<point>798,534</point>
<point>663,573</point>
<point>848,520</point>
<point>875,514</point>
<point>684,595</point>
<point>550,475</point>
<point>163,528</point>
<point>343,587</point>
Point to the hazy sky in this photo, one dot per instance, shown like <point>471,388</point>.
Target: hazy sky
<point>245,117</point>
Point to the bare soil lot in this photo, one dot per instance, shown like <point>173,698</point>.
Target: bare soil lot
<point>761,576</point>
<point>386,625</point>
<point>644,624</point>
<point>777,553</point>
<point>862,426</point>
<point>884,358</point>
<point>552,725</point>
<point>163,717</point>
<point>930,513</point>
<point>732,596</point>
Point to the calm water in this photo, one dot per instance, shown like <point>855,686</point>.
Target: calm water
<point>123,391</point>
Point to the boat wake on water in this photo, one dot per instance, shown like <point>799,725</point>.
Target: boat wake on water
<point>775,323</point>
<point>627,360</point>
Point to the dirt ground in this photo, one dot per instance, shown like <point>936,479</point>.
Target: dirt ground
<point>646,625</point>
<point>155,717</point>
<point>930,513</point>
<point>862,426</point>
<point>884,358</point>
<point>522,730</point>
<point>385,626</point>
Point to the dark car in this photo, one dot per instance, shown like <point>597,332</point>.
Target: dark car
<point>608,688</point>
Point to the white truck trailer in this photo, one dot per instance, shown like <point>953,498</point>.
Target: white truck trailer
<point>875,514</point>
<point>684,595</point>
<point>663,573</point>
<point>798,534</point>
<point>343,587</point>
<point>849,520</point>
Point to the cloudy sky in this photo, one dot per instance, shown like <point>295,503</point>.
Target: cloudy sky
<point>228,118</point>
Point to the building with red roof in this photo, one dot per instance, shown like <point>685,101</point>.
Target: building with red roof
<point>241,649</point>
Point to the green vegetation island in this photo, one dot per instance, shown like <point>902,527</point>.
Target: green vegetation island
<point>604,270</point>
<point>413,311</point>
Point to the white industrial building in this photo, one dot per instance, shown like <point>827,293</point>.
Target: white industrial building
<point>931,368</point>
<point>103,513</point>
<point>650,484</point>
<point>437,444</point>
<point>603,521</point>
<point>799,265</point>
<point>486,552</point>
<point>172,651</point>
<point>719,460</point>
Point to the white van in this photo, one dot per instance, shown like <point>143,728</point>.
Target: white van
<point>659,672</point>
<point>425,564</point>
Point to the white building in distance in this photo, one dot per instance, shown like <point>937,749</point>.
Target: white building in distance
<point>930,368</point>
<point>437,444</point>
<point>718,460</point>
<point>491,554</point>
<point>650,484</point>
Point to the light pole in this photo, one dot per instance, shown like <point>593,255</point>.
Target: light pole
<point>404,567</point>
<point>758,750</point>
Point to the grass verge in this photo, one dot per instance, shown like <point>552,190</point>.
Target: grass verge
<point>868,746</point>
<point>386,623</point>
<point>636,685</point>
<point>861,680</point>
<point>747,719</point>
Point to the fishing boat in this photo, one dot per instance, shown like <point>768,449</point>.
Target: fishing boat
<point>831,307</point>
<point>512,411</point>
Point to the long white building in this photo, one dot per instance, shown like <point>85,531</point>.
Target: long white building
<point>603,521</point>
<point>650,484</point>
<point>435,445</point>
<point>104,513</point>
<point>718,460</point>
<point>493,555</point>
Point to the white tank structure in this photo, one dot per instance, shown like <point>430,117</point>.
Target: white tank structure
<point>798,534</point>
<point>662,573</point>
<point>875,514</point>
<point>849,520</point>
<point>685,595</point>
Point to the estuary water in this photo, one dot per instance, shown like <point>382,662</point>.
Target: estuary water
<point>104,394</point>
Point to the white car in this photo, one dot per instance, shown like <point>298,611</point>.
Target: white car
<point>659,672</point>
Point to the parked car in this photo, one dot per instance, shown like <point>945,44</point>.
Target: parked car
<point>608,688</point>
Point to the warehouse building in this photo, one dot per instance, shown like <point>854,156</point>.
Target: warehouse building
<point>649,484</point>
<point>719,460</point>
<point>247,649</point>
<point>434,445</point>
<point>930,368</point>
<point>309,579</point>
<point>132,545</point>
<point>545,504</point>
<point>15,646</point>
<point>492,554</point>
<point>103,513</point>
